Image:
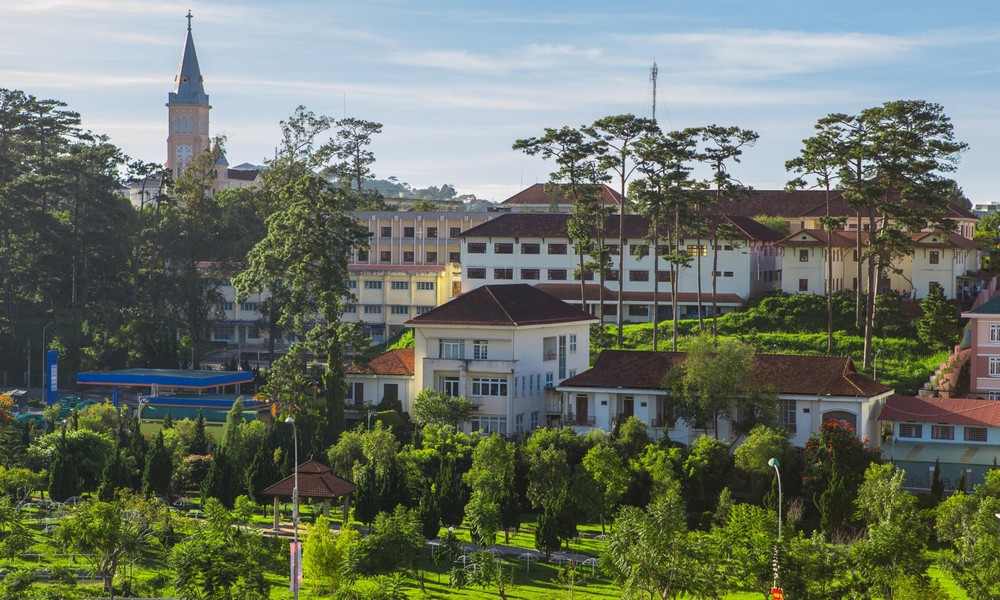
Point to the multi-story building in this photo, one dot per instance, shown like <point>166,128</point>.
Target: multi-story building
<point>505,348</point>
<point>984,348</point>
<point>943,259</point>
<point>811,390</point>
<point>536,249</point>
<point>386,378</point>
<point>549,198</point>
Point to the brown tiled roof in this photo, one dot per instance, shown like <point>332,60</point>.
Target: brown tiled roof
<point>315,481</point>
<point>398,361</point>
<point>786,373</point>
<point>956,411</point>
<point>555,225</point>
<point>571,292</point>
<point>537,195</point>
<point>808,203</point>
<point>513,305</point>
<point>818,237</point>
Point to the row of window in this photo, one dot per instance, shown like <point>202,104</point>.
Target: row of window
<point>519,422</point>
<point>637,250</point>
<point>533,274</point>
<point>933,257</point>
<point>942,432</point>
<point>385,231</point>
<point>409,257</point>
<point>376,309</point>
<point>376,284</point>
<point>244,306</point>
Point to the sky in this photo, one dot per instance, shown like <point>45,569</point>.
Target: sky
<point>455,83</point>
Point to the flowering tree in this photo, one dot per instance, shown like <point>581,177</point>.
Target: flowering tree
<point>835,464</point>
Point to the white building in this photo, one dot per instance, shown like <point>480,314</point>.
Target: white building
<point>505,348</point>
<point>386,378</point>
<point>535,249</point>
<point>811,389</point>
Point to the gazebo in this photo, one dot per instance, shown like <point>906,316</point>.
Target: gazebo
<point>316,481</point>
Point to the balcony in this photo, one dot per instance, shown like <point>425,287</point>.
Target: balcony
<point>469,364</point>
<point>579,421</point>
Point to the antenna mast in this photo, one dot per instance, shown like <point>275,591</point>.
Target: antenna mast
<point>652,77</point>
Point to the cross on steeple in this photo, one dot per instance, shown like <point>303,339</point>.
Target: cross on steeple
<point>189,17</point>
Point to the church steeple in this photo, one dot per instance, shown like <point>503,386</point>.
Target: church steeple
<point>189,85</point>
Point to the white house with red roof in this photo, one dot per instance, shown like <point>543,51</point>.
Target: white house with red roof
<point>536,249</point>
<point>811,390</point>
<point>505,348</point>
<point>960,434</point>
<point>387,377</point>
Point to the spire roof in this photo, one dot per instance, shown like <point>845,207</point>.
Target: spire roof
<point>188,84</point>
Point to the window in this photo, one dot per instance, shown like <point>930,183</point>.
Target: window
<point>351,309</point>
<point>432,257</point>
<point>480,349</point>
<point>803,285</point>
<point>422,309</point>
<point>550,380</point>
<point>454,232</point>
<point>362,256</point>
<point>911,430</point>
<point>531,248</point>
<point>994,333</point>
<point>249,306</point>
<point>934,257</point>
<point>664,276</point>
<point>786,418</point>
<point>387,231</point>
<point>477,273</point>
<point>503,273</point>
<point>372,284</point>
<point>407,257</point>
<point>352,284</point>
<point>572,342</point>
<point>226,306</point>
<point>613,249</point>
<point>612,275</point>
<point>390,392</point>
<point>400,309</point>
<point>639,250</point>
<point>727,273</point>
<point>534,420</point>
<point>572,372</point>
<point>373,309</point>
<point>693,250</point>
<point>386,256</point>
<point>803,255</point>
<point>400,285</point>
<point>425,286</point>
<point>455,257</point>
<point>449,385</point>
<point>477,248</point>
<point>588,275</point>
<point>518,424</point>
<point>942,432</point>
<point>224,332</point>
<point>638,310</point>
<point>407,232</point>
<point>975,434</point>
<point>638,275</point>
<point>489,386</point>
<point>489,424</point>
<point>432,232</point>
<point>995,366</point>
<point>557,274</point>
<point>450,348</point>
<point>557,248</point>
<point>530,274</point>
<point>503,248</point>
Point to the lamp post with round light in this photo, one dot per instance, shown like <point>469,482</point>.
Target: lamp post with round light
<point>773,462</point>
<point>296,556</point>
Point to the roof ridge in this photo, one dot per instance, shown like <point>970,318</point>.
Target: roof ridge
<point>489,290</point>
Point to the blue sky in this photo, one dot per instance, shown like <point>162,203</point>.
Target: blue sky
<point>455,83</point>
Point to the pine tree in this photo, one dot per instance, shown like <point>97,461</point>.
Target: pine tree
<point>114,477</point>
<point>201,443</point>
<point>221,482</point>
<point>159,468</point>
<point>938,326</point>
<point>64,479</point>
<point>451,495</point>
<point>428,513</point>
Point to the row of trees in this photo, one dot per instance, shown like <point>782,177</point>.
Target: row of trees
<point>888,162</point>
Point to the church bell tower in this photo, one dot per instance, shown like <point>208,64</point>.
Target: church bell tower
<point>187,110</point>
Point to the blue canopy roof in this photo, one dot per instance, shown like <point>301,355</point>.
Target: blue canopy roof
<point>166,377</point>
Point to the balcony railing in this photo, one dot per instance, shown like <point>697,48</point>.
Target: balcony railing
<point>583,421</point>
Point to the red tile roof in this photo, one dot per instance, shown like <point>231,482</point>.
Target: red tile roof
<point>555,225</point>
<point>809,203</point>
<point>537,195</point>
<point>398,361</point>
<point>788,374</point>
<point>951,411</point>
<point>315,481</point>
<point>512,305</point>
<point>570,292</point>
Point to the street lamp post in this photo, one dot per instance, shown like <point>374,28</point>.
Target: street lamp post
<point>370,413</point>
<point>773,462</point>
<point>296,555</point>
<point>44,353</point>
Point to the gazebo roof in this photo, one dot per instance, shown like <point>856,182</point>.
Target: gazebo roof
<point>315,481</point>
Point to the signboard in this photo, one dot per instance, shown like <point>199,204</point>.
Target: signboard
<point>51,377</point>
<point>777,593</point>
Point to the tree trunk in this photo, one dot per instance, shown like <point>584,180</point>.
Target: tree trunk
<point>872,293</point>
<point>715,274</point>
<point>859,295</point>
<point>621,255</point>
<point>656,288</point>
<point>701,319</point>
<point>675,273</point>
